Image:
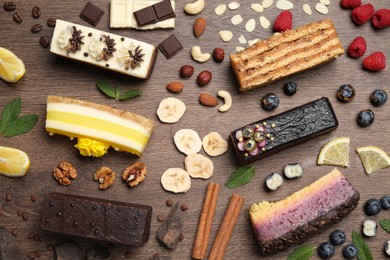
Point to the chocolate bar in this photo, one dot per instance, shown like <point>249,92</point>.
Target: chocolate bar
<point>105,220</point>
<point>170,46</point>
<point>102,49</point>
<point>273,134</point>
<point>152,14</point>
<point>285,54</point>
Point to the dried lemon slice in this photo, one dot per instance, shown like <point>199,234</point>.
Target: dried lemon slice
<point>13,162</point>
<point>11,67</point>
<point>373,158</point>
<point>335,152</point>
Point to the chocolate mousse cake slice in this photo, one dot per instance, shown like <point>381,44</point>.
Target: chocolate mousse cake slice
<point>309,211</point>
<point>285,54</point>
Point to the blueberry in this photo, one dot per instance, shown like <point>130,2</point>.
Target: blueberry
<point>346,93</point>
<point>269,102</point>
<point>326,250</point>
<point>365,118</point>
<point>385,201</point>
<point>337,237</point>
<point>290,88</point>
<point>350,251</point>
<point>378,97</point>
<point>372,207</point>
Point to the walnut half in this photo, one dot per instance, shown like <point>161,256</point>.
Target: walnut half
<point>64,172</point>
<point>134,174</point>
<point>105,176</point>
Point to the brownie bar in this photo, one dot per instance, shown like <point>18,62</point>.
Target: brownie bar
<point>110,221</point>
<point>273,134</point>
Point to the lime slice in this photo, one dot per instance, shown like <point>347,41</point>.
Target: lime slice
<point>373,158</point>
<point>335,152</point>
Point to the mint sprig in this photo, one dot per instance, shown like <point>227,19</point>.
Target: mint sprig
<point>364,252</point>
<point>116,92</point>
<point>11,124</point>
<point>304,252</point>
<point>241,176</point>
<point>385,224</point>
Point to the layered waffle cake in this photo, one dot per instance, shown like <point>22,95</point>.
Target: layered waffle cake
<point>309,211</point>
<point>285,54</point>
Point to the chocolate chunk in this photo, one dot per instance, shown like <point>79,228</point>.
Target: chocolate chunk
<point>36,12</point>
<point>109,221</point>
<point>170,46</point>
<point>152,14</point>
<point>92,14</point>
<point>68,251</point>
<point>273,134</point>
<point>145,16</point>
<point>170,230</point>
<point>97,253</point>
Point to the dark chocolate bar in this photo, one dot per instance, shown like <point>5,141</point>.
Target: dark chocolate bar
<point>170,46</point>
<point>110,221</point>
<point>92,14</point>
<point>273,134</point>
<point>152,14</point>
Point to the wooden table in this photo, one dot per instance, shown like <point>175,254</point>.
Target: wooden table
<point>48,74</point>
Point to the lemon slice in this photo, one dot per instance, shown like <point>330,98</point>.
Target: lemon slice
<point>11,67</point>
<point>335,152</point>
<point>373,158</point>
<point>13,162</point>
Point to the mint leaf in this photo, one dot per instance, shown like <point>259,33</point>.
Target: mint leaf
<point>22,125</point>
<point>106,89</point>
<point>241,176</point>
<point>130,94</point>
<point>304,252</point>
<point>10,113</point>
<point>117,93</point>
<point>364,252</point>
<point>385,224</point>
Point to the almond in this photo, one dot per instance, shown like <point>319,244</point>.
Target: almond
<point>208,100</point>
<point>175,87</point>
<point>199,26</point>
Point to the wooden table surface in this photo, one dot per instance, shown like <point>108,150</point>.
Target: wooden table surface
<point>48,74</point>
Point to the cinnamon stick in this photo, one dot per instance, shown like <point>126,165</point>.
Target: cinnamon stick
<point>205,221</point>
<point>226,229</point>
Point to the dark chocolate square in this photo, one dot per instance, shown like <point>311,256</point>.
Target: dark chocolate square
<point>92,14</point>
<point>145,16</point>
<point>164,10</point>
<point>170,46</point>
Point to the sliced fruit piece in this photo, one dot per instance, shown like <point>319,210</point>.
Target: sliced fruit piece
<point>176,180</point>
<point>335,152</point>
<point>171,110</point>
<point>187,141</point>
<point>214,144</point>
<point>13,162</point>
<point>11,67</point>
<point>373,158</point>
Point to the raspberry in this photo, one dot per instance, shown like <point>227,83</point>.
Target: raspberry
<point>283,22</point>
<point>350,4</point>
<point>381,19</point>
<point>362,14</point>
<point>375,62</point>
<point>357,48</point>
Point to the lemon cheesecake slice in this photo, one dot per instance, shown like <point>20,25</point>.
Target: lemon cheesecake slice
<point>97,127</point>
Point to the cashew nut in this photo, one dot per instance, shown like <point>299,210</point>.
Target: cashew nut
<point>227,99</point>
<point>195,7</point>
<point>198,56</point>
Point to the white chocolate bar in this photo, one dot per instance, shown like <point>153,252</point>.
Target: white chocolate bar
<point>93,50</point>
<point>121,15</point>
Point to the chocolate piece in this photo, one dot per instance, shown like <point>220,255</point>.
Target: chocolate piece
<point>170,230</point>
<point>68,251</point>
<point>170,46</point>
<point>152,14</point>
<point>273,134</point>
<point>92,14</point>
<point>145,16</point>
<point>110,221</point>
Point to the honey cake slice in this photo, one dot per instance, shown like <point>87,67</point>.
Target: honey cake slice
<point>285,54</point>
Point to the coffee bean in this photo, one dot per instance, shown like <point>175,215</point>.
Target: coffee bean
<point>184,207</point>
<point>8,197</point>
<point>9,6</point>
<point>45,42</point>
<point>36,28</point>
<point>36,12</point>
<point>169,203</point>
<point>33,198</point>
<point>18,17</point>
<point>161,217</point>
<point>51,22</point>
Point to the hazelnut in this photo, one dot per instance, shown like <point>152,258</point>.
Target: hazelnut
<point>204,78</point>
<point>218,54</point>
<point>186,71</point>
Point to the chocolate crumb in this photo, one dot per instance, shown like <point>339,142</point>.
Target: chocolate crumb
<point>184,207</point>
<point>86,54</point>
<point>25,216</point>
<point>169,203</point>
<point>33,198</point>
<point>107,65</point>
<point>128,254</point>
<point>181,237</point>
<point>161,217</point>
<point>90,34</point>
<point>122,39</point>
<point>8,197</point>
<point>14,232</point>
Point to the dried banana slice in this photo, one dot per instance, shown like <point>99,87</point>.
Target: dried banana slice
<point>199,166</point>
<point>214,144</point>
<point>176,180</point>
<point>171,110</point>
<point>187,141</point>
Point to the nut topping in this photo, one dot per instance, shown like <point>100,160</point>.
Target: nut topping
<point>134,174</point>
<point>64,172</point>
<point>105,176</point>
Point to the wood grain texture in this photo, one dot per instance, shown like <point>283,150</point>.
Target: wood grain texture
<point>51,75</point>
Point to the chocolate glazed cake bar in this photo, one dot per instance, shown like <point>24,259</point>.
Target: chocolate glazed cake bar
<point>110,221</point>
<point>271,135</point>
<point>285,54</point>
